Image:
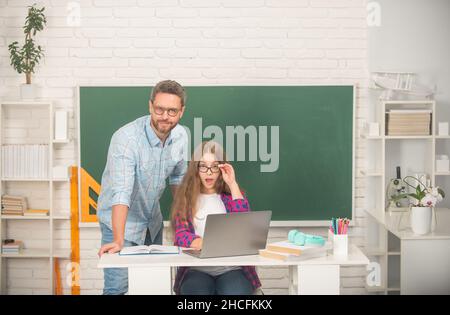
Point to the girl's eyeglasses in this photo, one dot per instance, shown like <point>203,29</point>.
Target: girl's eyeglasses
<point>204,168</point>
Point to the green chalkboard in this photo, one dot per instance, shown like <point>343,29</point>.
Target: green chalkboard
<point>313,180</point>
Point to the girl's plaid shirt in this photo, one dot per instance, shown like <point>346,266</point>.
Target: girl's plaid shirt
<point>185,234</point>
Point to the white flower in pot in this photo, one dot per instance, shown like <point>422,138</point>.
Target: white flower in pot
<point>422,205</point>
<point>25,59</point>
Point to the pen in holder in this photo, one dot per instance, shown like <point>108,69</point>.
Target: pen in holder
<point>337,233</point>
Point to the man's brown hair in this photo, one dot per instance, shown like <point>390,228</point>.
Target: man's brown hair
<point>170,87</point>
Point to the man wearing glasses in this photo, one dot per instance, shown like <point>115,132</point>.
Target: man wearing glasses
<point>141,156</point>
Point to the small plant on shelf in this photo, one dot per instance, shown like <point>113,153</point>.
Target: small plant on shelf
<point>24,59</point>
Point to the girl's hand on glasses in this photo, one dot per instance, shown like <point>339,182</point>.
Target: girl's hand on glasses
<point>228,174</point>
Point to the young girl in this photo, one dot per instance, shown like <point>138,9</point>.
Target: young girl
<point>209,187</point>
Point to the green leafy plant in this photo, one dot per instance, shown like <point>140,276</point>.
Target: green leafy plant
<point>25,59</point>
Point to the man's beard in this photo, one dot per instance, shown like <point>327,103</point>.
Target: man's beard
<point>162,128</point>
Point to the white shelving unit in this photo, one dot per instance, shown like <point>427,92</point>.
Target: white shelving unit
<point>44,110</point>
<point>414,154</point>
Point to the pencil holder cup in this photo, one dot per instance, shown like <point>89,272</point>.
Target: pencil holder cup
<point>340,245</point>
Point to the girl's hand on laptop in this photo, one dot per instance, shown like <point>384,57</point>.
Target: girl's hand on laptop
<point>197,243</point>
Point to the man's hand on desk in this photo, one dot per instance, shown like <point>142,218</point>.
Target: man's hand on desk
<point>197,243</point>
<point>110,248</point>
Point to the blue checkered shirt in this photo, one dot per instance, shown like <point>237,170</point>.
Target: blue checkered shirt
<point>135,175</point>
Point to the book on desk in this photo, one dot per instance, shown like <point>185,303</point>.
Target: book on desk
<point>287,251</point>
<point>149,250</point>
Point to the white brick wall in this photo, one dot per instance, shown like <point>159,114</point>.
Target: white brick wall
<point>194,42</point>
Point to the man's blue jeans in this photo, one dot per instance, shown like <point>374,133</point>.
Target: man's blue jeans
<point>232,282</point>
<point>116,279</point>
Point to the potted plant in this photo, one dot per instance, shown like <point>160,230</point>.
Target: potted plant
<point>424,199</point>
<point>25,59</point>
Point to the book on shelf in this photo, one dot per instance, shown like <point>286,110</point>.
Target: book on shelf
<point>417,126</point>
<point>404,118</point>
<point>408,133</point>
<point>11,246</point>
<point>24,161</point>
<point>149,250</point>
<point>13,205</point>
<point>405,122</point>
<point>18,213</point>
<point>409,114</point>
<point>287,251</point>
<point>12,198</point>
<point>424,131</point>
<point>408,124</point>
<point>409,111</point>
<point>36,213</point>
<point>12,208</point>
<point>12,202</point>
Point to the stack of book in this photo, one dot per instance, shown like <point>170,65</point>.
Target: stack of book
<point>408,122</point>
<point>13,247</point>
<point>13,205</point>
<point>24,160</point>
<point>35,213</point>
<point>286,251</point>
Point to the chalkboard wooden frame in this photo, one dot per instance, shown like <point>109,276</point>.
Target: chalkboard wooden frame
<point>285,223</point>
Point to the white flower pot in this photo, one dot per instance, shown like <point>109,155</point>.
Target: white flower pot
<point>27,91</point>
<point>421,220</point>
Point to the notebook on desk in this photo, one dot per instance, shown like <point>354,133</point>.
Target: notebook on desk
<point>233,234</point>
<point>149,250</point>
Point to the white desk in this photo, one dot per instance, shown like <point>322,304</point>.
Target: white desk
<point>151,274</point>
<point>398,223</point>
<point>424,260</point>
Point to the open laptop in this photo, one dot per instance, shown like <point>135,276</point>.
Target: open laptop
<point>234,234</point>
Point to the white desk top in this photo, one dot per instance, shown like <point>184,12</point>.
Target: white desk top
<point>355,257</point>
<point>398,223</point>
